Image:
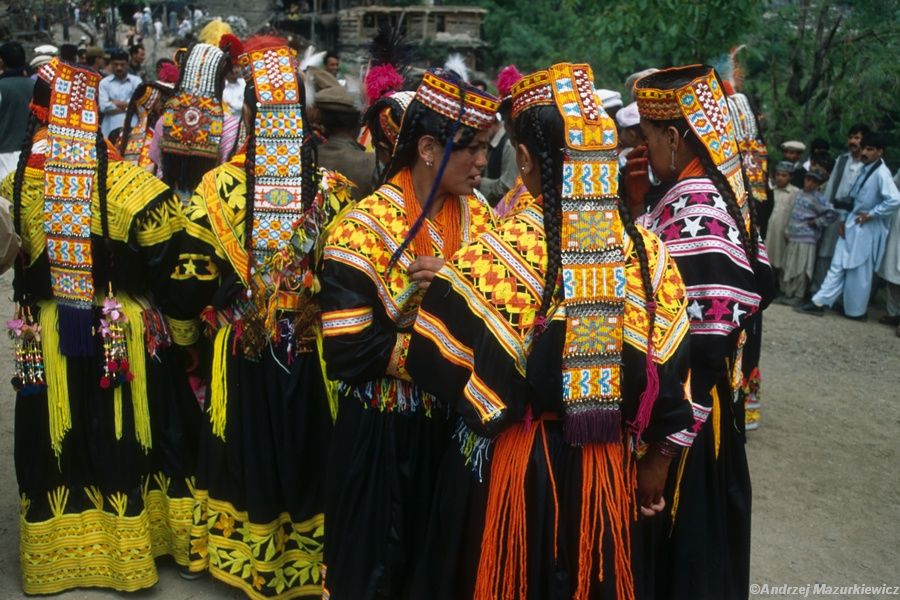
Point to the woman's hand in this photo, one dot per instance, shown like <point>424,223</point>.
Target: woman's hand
<point>652,471</point>
<point>637,179</point>
<point>423,269</point>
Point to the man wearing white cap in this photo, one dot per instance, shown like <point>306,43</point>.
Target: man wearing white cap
<point>629,122</point>
<point>612,101</point>
<point>792,152</point>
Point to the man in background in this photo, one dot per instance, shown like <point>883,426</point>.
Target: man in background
<point>15,94</point>
<point>340,120</point>
<point>115,92</point>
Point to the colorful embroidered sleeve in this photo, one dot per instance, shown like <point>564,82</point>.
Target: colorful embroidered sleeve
<point>359,340</point>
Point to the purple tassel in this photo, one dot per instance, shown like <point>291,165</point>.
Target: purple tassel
<point>593,425</point>
<point>650,393</point>
<point>76,330</point>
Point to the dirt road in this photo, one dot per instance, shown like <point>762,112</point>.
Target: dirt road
<point>824,465</point>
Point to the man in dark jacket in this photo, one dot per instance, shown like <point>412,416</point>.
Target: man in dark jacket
<point>15,94</point>
<point>339,117</point>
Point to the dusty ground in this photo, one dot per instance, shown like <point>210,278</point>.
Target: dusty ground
<point>824,463</point>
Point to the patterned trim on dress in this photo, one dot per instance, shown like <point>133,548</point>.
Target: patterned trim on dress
<point>346,322</point>
<point>112,548</point>
<point>280,559</point>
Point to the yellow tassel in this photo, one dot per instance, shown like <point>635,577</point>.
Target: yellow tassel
<point>117,411</point>
<point>95,496</point>
<point>331,386</point>
<point>57,377</point>
<point>676,497</point>
<point>134,340</point>
<point>716,420</point>
<point>218,387</point>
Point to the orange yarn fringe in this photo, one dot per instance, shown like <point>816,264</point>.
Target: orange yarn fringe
<point>608,483</point>
<point>448,220</point>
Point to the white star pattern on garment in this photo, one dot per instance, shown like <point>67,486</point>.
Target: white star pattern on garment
<point>695,311</point>
<point>680,203</point>
<point>692,226</point>
<point>738,313</point>
<point>734,236</point>
<point>719,202</point>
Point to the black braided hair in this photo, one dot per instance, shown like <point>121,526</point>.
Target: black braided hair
<point>102,163</point>
<point>549,159</point>
<point>748,242</point>
<point>19,293</point>
<point>372,120</point>
<point>250,166</point>
<point>129,115</point>
<point>309,158</point>
<point>644,263</point>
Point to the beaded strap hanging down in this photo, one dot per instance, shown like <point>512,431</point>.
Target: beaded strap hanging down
<point>69,173</point>
<point>137,149</point>
<point>29,378</point>
<point>591,244</point>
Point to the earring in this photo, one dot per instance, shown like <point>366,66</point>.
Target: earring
<point>522,169</point>
<point>429,163</point>
<point>672,166</point>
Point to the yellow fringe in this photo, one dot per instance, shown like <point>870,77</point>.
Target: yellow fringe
<point>218,387</point>
<point>58,498</point>
<point>134,340</point>
<point>331,386</point>
<point>715,416</point>
<point>676,497</point>
<point>57,377</point>
<point>117,411</point>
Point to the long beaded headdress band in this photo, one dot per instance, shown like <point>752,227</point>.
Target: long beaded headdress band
<point>137,149</point>
<point>69,174</point>
<point>192,121</point>
<point>702,103</point>
<point>443,96</point>
<point>278,134</point>
<point>591,243</point>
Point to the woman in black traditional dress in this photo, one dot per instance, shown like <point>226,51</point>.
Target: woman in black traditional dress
<point>105,419</point>
<point>701,550</point>
<point>378,260</point>
<point>553,384</point>
<point>246,273</point>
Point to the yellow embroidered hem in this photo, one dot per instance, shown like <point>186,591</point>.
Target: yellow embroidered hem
<point>280,559</point>
<point>102,548</point>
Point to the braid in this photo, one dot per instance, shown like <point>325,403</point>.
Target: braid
<point>250,177</point>
<point>129,115</point>
<point>19,177</point>
<point>641,251</point>
<point>309,161</point>
<point>754,219</point>
<point>19,293</point>
<point>552,211</point>
<point>102,162</point>
<point>405,141</point>
<point>721,183</point>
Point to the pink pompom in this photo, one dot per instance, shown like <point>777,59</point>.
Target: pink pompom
<point>104,382</point>
<point>168,73</point>
<point>112,366</point>
<point>506,79</point>
<point>380,80</point>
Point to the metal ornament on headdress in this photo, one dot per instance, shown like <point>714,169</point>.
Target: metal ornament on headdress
<point>192,121</point>
<point>69,173</point>
<point>702,103</point>
<point>389,126</point>
<point>278,138</point>
<point>591,244</point>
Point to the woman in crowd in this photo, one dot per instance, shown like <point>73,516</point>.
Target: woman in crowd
<point>144,110</point>
<point>378,260</point>
<point>701,550</point>
<point>104,442</point>
<point>247,275</point>
<point>559,342</point>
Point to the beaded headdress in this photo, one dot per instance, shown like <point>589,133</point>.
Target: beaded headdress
<point>69,174</point>
<point>702,103</point>
<point>592,249</point>
<point>446,98</point>
<point>278,142</point>
<point>389,126</point>
<point>192,121</point>
<point>137,147</point>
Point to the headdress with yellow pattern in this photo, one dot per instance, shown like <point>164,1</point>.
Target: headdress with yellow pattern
<point>694,93</point>
<point>591,245</point>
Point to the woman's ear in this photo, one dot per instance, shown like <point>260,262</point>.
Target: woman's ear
<point>529,170</point>
<point>427,148</point>
<point>673,138</point>
<point>523,159</point>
